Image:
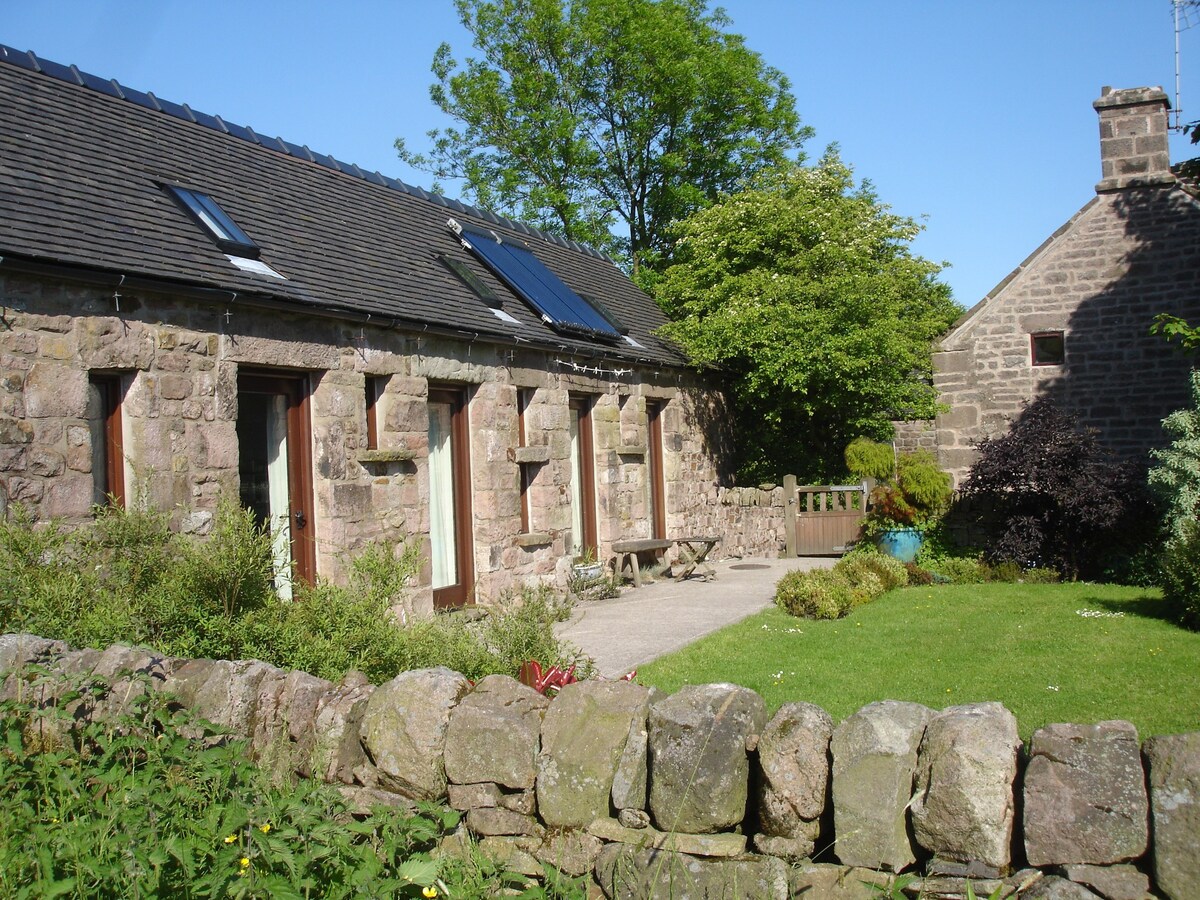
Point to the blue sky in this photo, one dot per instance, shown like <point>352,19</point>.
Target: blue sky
<point>974,115</point>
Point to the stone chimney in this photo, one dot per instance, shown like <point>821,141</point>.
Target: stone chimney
<point>1133,138</point>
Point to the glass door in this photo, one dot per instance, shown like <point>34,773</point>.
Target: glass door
<point>583,480</point>
<point>450,543</point>
<point>274,462</point>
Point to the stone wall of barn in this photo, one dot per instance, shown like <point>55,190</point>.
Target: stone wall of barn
<point>1099,281</point>
<point>178,359</point>
<point>701,793</point>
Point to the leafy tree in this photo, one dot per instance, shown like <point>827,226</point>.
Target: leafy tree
<point>1175,481</point>
<point>1053,496</point>
<point>582,113</point>
<point>802,289</point>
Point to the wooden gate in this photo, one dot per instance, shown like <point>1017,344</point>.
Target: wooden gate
<point>822,519</point>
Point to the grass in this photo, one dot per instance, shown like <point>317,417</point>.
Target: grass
<point>1026,646</point>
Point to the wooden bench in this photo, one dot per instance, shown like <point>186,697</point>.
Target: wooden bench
<point>627,552</point>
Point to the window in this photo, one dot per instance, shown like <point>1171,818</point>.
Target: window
<point>205,210</point>
<point>1047,348</point>
<point>450,540</point>
<point>471,280</point>
<point>524,397</point>
<point>275,469</point>
<point>654,459</point>
<point>559,306</point>
<point>583,479</point>
<point>375,388</point>
<point>106,390</point>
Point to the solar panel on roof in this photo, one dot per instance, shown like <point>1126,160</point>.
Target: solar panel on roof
<point>560,307</point>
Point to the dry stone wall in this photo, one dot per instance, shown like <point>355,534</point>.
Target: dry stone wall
<point>700,793</point>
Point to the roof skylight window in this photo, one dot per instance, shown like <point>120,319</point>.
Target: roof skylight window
<point>471,280</point>
<point>205,210</point>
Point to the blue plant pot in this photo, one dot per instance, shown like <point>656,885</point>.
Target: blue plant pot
<point>900,543</point>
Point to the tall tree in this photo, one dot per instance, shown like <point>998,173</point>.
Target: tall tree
<point>802,289</point>
<point>580,116</point>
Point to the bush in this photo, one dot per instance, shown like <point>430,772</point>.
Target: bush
<point>1175,481</point>
<point>129,579</point>
<point>1053,497</point>
<point>917,576</point>
<point>890,572</point>
<point>866,458</point>
<point>962,570</point>
<point>1181,574</point>
<point>816,594</point>
<point>133,808</point>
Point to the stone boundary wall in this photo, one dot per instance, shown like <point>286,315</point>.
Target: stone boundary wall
<point>750,520</point>
<point>700,793</point>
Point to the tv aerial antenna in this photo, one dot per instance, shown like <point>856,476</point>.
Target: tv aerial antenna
<point>1186,13</point>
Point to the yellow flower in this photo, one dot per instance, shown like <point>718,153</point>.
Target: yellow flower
<point>245,861</point>
<point>429,891</point>
<point>231,839</point>
<point>265,828</point>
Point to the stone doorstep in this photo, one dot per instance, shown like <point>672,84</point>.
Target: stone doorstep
<point>722,845</point>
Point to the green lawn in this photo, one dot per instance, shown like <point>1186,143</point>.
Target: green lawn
<point>1027,646</point>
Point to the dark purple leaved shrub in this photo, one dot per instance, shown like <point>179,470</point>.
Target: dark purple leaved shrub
<point>1052,496</point>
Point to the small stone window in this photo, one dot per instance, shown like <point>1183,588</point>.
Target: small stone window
<point>106,392</point>
<point>375,386</point>
<point>1047,348</point>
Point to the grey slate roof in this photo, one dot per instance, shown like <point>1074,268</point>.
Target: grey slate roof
<point>82,161</point>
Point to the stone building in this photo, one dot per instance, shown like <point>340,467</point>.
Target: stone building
<point>1072,322</point>
<point>190,310</point>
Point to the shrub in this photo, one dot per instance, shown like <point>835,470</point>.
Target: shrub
<point>890,572</point>
<point>133,808</point>
<point>128,578</point>
<point>816,594</point>
<point>1181,574</point>
<point>962,570</point>
<point>1175,481</point>
<point>866,458</point>
<point>1052,496</point>
<point>917,576</point>
<point>918,495</point>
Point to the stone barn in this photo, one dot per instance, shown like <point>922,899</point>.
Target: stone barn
<point>191,310</point>
<point>1072,322</point>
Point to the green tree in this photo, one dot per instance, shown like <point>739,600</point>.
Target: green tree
<point>802,289</point>
<point>582,115</point>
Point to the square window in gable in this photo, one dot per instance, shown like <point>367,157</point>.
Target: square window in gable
<point>208,213</point>
<point>1047,348</point>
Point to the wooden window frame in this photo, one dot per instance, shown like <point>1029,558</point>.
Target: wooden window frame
<point>587,474</point>
<point>296,387</point>
<point>524,472</point>
<point>374,389</point>
<point>1033,348</point>
<point>111,387</point>
<point>654,457</point>
<point>455,595</point>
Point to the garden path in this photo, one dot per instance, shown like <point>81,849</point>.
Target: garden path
<point>653,620</point>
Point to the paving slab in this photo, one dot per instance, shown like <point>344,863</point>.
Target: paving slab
<point>656,619</point>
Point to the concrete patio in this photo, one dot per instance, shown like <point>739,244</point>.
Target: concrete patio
<point>653,620</point>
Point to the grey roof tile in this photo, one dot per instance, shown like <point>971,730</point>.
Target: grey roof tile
<point>80,186</point>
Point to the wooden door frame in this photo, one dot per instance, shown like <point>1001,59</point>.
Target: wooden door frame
<point>296,387</point>
<point>456,594</point>
<point>582,403</point>
<point>658,491</point>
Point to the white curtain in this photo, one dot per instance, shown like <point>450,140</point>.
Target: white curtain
<point>277,487</point>
<point>576,487</point>
<point>442,536</point>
